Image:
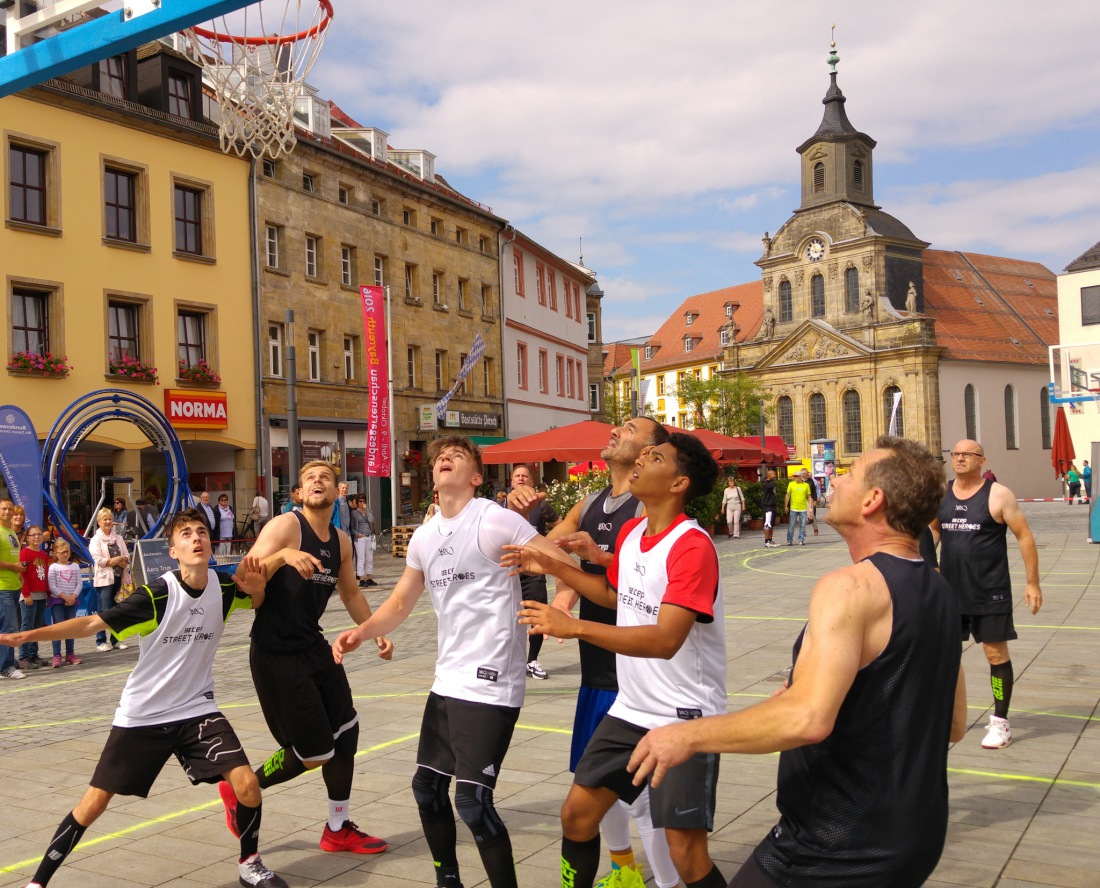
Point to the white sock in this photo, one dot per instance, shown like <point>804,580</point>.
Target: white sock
<point>654,842</point>
<point>337,814</point>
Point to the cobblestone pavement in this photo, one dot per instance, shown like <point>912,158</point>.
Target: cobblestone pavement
<point>1026,815</point>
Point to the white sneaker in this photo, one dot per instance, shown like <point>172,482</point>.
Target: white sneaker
<point>253,872</point>
<point>103,647</point>
<point>535,670</point>
<point>122,646</point>
<point>13,673</point>
<point>998,735</point>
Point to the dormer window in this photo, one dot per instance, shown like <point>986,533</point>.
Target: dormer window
<point>724,336</point>
<point>649,352</point>
<point>689,343</point>
<point>729,309</point>
<point>689,318</point>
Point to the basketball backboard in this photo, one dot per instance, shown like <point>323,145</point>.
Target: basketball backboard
<point>45,39</point>
<point>1074,373</point>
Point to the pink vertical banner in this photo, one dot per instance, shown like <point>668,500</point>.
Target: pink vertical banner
<point>378,386</point>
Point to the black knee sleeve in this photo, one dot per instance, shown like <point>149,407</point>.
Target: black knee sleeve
<point>430,791</point>
<point>475,807</point>
<point>347,744</point>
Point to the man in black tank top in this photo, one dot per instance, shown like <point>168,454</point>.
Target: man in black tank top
<point>304,695</point>
<point>590,531</point>
<point>973,522</point>
<point>875,695</point>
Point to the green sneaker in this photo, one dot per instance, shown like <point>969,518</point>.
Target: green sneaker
<point>623,877</point>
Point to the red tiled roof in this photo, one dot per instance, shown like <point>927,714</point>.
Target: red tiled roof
<point>616,358</point>
<point>338,113</point>
<point>709,316</point>
<point>1014,295</point>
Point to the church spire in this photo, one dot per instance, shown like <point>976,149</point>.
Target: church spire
<point>835,120</point>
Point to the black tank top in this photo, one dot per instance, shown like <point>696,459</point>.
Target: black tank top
<point>597,663</point>
<point>289,619</point>
<point>867,806</point>
<point>974,553</point>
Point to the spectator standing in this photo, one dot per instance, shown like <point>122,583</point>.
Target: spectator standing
<point>144,516</point>
<point>1086,479</point>
<point>733,503</point>
<point>341,511</point>
<point>797,502</point>
<point>542,517</point>
<point>815,497</point>
<point>11,581</point>
<point>362,535</point>
<point>433,507</point>
<point>65,582</point>
<point>120,516</point>
<point>294,504</point>
<point>109,559</point>
<point>226,522</point>
<point>18,524</point>
<point>35,591</point>
<point>1073,476</point>
<point>259,514</point>
<point>768,504</point>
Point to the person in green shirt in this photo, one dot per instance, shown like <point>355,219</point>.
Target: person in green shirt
<point>797,502</point>
<point>11,581</point>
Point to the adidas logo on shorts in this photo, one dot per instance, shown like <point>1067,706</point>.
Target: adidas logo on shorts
<point>490,771</point>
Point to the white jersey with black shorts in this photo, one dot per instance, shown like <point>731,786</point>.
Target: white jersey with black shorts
<point>167,706</point>
<point>480,673</point>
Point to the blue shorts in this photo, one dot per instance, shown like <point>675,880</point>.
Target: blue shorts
<point>592,706</point>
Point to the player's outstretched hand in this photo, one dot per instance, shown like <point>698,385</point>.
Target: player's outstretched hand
<point>659,750</point>
<point>385,648</point>
<point>250,575</point>
<point>546,620</point>
<point>302,562</point>
<point>524,559</point>
<point>345,643</point>
<point>522,499</point>
<point>581,544</point>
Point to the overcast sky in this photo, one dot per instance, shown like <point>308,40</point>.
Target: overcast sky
<point>665,136</point>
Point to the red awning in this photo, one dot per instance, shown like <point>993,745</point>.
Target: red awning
<point>579,442</point>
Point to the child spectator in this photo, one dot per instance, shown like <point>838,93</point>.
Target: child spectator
<point>65,583</point>
<point>35,591</point>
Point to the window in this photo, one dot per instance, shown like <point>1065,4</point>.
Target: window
<point>482,244</point>
<point>436,226</point>
<point>379,271</point>
<point>486,301</point>
<point>591,326</point>
<point>412,283</point>
<point>189,220</point>
<point>347,266</point>
<point>408,217</point>
<point>313,256</point>
<point>120,202</point>
<point>191,338</point>
<point>569,390</point>
<point>568,302</point>
<point>270,169</point>
<point>784,417</point>
<point>376,206</point>
<point>689,319</point>
<point>818,428</point>
<point>661,385</point>
<point>697,373</point>
<point>786,306</point>
<point>517,270</point>
<point>853,422</point>
<point>437,288</point>
<point>857,175</point>
<point>487,375</point>
<point>27,190</point>
<point>275,349</point>
<point>461,236</point>
<point>122,331</point>
<point>540,287</point>
<point>724,336</point>
<point>888,411</point>
<point>970,411</point>
<point>1090,303</point>
<point>559,373</point>
<point>819,177</point>
<point>1012,433</point>
<point>463,294</point>
<point>412,365</point>
<point>544,371</point>
<point>462,385</point>
<point>521,365</point>
<point>1044,417</point>
<point>179,104</point>
<point>307,183</point>
<point>689,343</point>
<point>649,352</point>
<point>729,309</point>
<point>817,296</point>
<point>551,289</point>
<point>440,370</point>
<point>593,396</point>
<point>313,351</point>
<point>851,290</point>
<point>30,321</point>
<point>343,194</point>
<point>273,235</point>
<point>577,303</point>
<point>349,358</point>
<point>112,76</point>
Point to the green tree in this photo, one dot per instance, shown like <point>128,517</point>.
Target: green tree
<point>617,408</point>
<point>729,405</point>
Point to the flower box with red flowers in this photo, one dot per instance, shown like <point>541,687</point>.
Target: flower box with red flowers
<point>132,369</point>
<point>199,373</point>
<point>36,364</point>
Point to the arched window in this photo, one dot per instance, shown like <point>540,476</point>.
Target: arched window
<point>970,409</point>
<point>851,291</point>
<point>857,175</point>
<point>786,309</point>
<point>817,296</point>
<point>819,177</point>
<point>1012,435</point>
<point>784,414</point>
<point>888,410</point>
<point>818,429</point>
<point>1044,416</point>
<point>853,422</point>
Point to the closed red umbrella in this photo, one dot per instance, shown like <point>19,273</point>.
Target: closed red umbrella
<point>1061,450</point>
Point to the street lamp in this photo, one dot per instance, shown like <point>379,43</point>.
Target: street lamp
<point>763,459</point>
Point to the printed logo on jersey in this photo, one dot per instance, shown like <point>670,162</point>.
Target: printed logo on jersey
<point>449,575</point>
<point>605,525</point>
<point>486,673</point>
<point>633,599</point>
<point>325,576</point>
<point>955,525</point>
<point>688,714</point>
<point>196,611</point>
<point>190,635</point>
<point>447,550</point>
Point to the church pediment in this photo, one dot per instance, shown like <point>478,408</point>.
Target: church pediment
<point>813,341</point>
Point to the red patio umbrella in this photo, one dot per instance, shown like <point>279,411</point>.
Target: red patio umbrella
<point>594,465</point>
<point>578,442</point>
<point>722,447</point>
<point>1061,450</point>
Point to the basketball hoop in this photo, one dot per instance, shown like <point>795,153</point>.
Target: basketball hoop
<point>257,69</point>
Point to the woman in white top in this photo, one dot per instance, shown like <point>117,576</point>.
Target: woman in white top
<point>226,520</point>
<point>109,559</point>
<point>733,503</point>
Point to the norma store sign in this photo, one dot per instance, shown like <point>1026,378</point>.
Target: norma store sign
<point>196,410</point>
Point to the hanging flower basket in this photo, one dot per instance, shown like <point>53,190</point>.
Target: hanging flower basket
<point>133,369</point>
<point>40,365</point>
<point>200,372</point>
<point>411,459</point>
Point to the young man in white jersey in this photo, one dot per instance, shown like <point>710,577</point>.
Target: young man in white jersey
<point>167,706</point>
<point>480,674</point>
<point>669,639</point>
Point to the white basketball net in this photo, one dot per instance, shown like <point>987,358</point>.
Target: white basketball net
<point>256,60</point>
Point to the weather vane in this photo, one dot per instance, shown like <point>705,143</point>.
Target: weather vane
<point>833,57</point>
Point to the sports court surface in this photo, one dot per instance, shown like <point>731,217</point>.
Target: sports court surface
<point>1027,815</point>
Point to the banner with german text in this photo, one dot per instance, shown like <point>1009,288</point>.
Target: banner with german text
<point>379,441</point>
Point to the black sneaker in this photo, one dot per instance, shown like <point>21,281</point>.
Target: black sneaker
<point>370,582</point>
<point>253,872</point>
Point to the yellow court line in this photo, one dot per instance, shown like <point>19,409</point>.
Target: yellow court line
<point>766,619</point>
<point>1024,778</point>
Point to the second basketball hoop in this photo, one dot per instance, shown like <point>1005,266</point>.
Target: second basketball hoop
<point>256,61</point>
